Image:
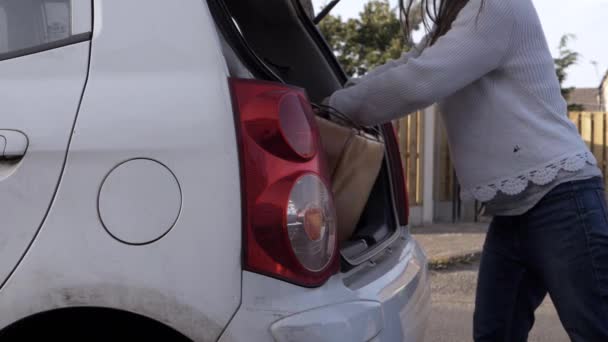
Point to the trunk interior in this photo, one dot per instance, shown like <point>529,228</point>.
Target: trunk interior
<point>275,40</point>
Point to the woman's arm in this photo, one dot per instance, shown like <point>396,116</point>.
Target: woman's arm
<point>476,44</point>
<point>412,53</point>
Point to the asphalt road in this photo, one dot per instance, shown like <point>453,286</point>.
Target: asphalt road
<point>453,304</point>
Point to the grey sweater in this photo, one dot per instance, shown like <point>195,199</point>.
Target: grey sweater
<point>495,81</point>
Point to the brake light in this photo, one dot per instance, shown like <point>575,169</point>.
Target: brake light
<point>397,174</point>
<point>288,214</point>
<point>295,125</point>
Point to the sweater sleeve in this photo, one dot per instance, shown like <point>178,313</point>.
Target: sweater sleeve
<point>477,44</point>
<point>413,53</point>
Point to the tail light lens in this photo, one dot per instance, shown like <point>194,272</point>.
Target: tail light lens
<point>295,125</point>
<point>289,219</point>
<point>397,173</point>
<point>310,223</point>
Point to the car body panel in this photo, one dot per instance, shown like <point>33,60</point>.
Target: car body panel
<point>158,92</point>
<point>39,95</point>
<point>397,283</point>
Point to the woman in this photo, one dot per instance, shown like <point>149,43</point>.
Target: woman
<point>488,65</point>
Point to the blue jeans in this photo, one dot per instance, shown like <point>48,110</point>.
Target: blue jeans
<point>559,247</point>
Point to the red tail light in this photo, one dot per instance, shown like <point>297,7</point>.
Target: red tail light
<point>397,173</point>
<point>289,219</point>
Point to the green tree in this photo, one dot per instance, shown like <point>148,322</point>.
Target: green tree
<point>367,41</point>
<point>567,58</point>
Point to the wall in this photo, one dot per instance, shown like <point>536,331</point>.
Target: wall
<point>604,94</point>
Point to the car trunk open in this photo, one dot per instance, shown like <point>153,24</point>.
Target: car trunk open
<point>275,40</point>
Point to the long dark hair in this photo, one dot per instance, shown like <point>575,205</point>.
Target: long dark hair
<point>437,16</point>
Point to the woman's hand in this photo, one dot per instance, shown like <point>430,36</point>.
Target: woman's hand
<point>349,83</point>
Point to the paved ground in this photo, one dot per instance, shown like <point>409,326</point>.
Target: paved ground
<point>453,293</point>
<point>446,244</point>
<point>453,285</point>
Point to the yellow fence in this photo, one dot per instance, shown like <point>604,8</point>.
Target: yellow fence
<point>410,130</point>
<point>593,127</point>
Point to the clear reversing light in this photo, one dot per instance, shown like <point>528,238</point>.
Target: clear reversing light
<point>311,222</point>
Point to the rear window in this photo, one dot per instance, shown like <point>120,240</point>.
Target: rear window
<point>26,24</point>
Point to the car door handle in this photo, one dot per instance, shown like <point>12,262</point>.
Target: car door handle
<point>13,144</point>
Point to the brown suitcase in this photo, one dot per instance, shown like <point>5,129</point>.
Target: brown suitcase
<point>354,161</point>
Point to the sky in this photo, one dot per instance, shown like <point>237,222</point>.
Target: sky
<point>587,19</point>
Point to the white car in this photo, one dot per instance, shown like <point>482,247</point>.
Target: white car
<point>151,177</point>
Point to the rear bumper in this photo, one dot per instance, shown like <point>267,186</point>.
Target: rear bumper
<point>388,300</point>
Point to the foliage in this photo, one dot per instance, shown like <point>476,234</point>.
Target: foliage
<point>362,43</point>
<point>567,58</point>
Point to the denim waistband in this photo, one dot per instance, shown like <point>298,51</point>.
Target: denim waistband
<point>594,183</point>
